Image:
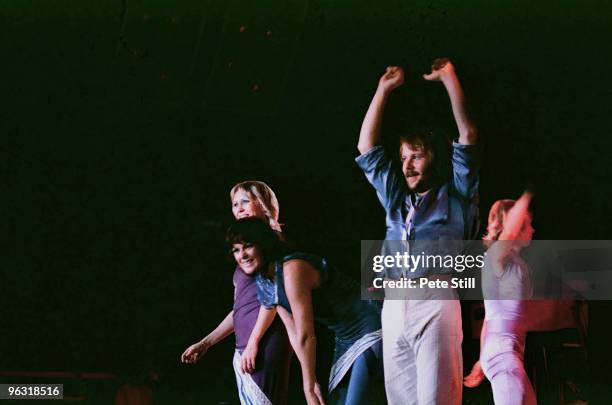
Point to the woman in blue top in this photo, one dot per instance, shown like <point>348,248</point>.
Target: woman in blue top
<point>305,288</point>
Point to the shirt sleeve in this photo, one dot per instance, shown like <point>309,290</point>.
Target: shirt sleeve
<point>382,173</point>
<point>466,163</point>
<point>266,291</point>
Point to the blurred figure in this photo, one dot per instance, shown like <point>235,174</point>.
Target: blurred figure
<point>506,287</point>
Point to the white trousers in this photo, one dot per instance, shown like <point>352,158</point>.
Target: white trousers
<point>501,358</point>
<point>422,351</point>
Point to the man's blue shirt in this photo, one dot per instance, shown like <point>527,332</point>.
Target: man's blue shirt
<point>447,212</point>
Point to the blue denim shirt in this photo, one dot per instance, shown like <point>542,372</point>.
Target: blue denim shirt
<point>336,303</point>
<point>448,212</point>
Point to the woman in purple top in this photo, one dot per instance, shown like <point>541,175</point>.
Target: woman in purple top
<point>259,334</point>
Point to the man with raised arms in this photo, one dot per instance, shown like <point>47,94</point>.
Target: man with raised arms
<point>422,338</point>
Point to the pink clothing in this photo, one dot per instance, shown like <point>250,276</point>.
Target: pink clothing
<point>503,345</point>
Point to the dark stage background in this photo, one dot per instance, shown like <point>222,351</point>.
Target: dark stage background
<point>124,124</point>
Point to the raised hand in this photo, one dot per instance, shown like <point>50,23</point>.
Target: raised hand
<point>441,69</point>
<point>516,218</point>
<point>391,79</point>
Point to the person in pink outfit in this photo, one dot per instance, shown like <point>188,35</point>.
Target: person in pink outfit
<point>507,285</point>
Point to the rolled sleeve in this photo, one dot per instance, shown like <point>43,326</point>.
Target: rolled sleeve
<point>267,291</point>
<point>382,174</point>
<point>466,163</point>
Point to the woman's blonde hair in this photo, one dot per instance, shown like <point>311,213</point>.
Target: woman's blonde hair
<point>264,196</point>
<point>497,213</point>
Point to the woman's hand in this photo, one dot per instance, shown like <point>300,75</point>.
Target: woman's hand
<point>475,377</point>
<point>313,394</point>
<point>193,353</point>
<point>247,360</point>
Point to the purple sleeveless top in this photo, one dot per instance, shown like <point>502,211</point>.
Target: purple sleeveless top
<point>274,355</point>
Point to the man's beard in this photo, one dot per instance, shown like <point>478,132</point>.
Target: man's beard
<point>421,186</point>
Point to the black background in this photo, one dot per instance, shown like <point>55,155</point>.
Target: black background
<point>124,124</point>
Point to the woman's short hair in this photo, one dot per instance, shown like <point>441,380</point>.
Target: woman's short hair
<point>256,231</point>
<point>265,197</point>
<point>497,213</point>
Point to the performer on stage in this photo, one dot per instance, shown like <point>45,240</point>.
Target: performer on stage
<point>422,338</point>
<point>305,288</point>
<point>507,283</point>
<point>263,352</point>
